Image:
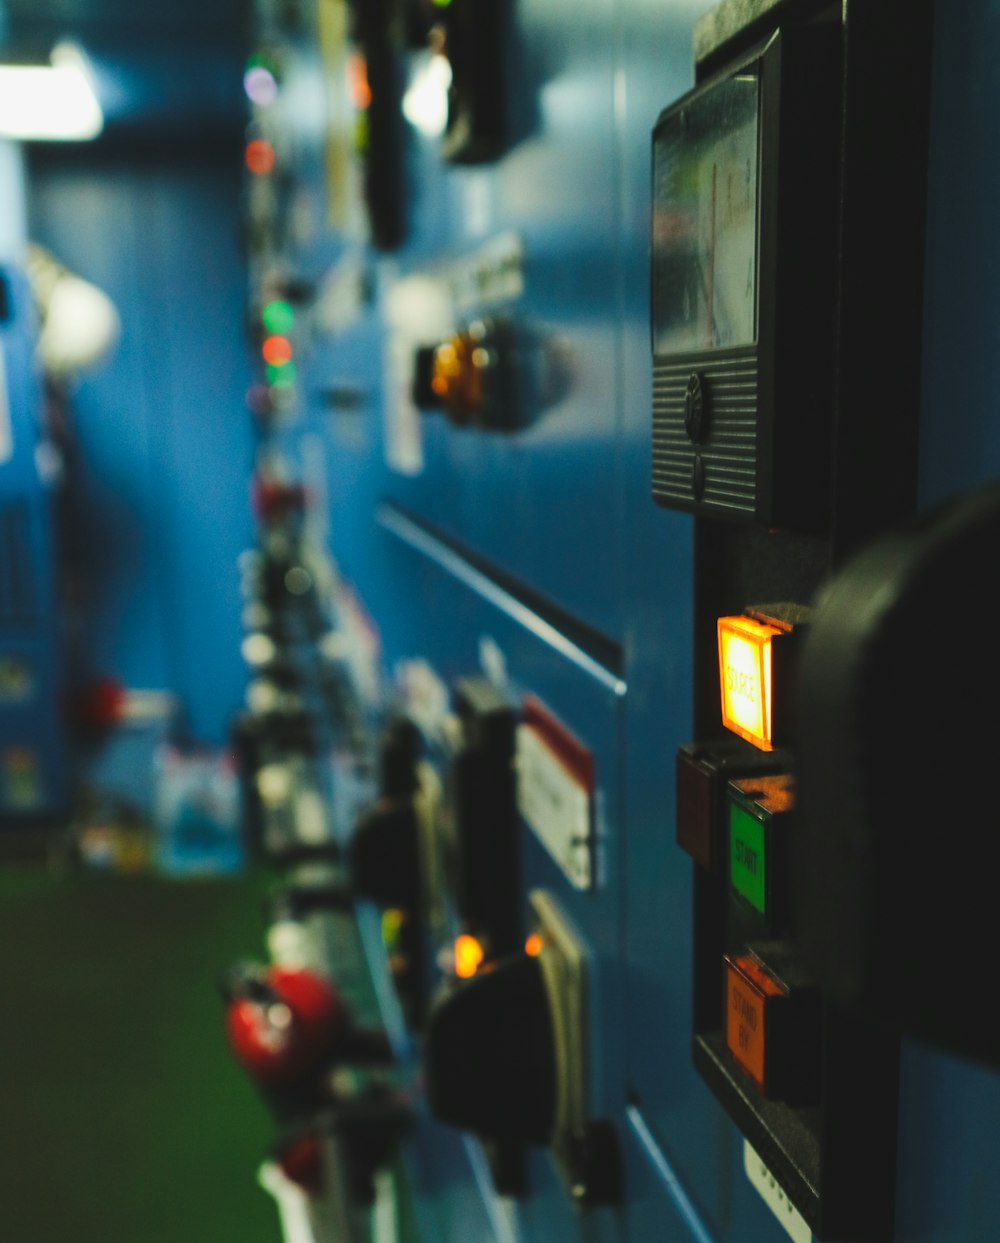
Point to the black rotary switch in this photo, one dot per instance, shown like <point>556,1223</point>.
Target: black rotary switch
<point>384,854</point>
<point>896,850</point>
<point>486,865</point>
<point>490,1058</point>
<point>399,755</point>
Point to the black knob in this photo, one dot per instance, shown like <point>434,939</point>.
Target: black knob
<point>399,754</point>
<point>490,1058</point>
<point>486,865</point>
<point>897,752</point>
<point>369,1125</point>
<point>384,855</point>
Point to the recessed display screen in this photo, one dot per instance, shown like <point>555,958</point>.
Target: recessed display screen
<point>705,195</point>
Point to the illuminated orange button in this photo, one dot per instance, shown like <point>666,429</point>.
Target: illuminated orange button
<point>745,669</point>
<point>457,375</point>
<point>749,990</point>
<point>469,955</point>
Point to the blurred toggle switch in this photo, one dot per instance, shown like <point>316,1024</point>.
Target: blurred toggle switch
<point>384,854</point>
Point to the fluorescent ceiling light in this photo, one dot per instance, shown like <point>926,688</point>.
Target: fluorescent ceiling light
<point>54,102</point>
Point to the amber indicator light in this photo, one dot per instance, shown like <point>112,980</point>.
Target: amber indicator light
<point>469,955</point>
<point>745,673</point>
<point>749,991</point>
<point>457,373</point>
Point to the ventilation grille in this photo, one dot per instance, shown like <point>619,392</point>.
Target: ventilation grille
<point>729,451</point>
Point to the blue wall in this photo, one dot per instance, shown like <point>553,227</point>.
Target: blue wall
<point>164,439</point>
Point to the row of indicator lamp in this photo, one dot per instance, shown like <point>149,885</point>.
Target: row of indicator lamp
<point>261,80</point>
<point>734,810</point>
<point>276,348</point>
<point>755,659</point>
<point>261,83</point>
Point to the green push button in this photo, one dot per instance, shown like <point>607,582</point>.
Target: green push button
<point>747,857</point>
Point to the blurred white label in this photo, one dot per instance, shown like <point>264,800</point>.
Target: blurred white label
<point>418,314</point>
<point>556,806</point>
<point>293,1204</point>
<point>385,1212</point>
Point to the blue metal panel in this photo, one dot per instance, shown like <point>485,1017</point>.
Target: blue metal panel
<point>453,614</point>
<point>543,502</point>
<point>949,1109</point>
<point>680,1118</point>
<point>960,433</point>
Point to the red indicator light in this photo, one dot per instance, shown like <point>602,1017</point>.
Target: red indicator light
<point>277,351</point>
<point>259,157</point>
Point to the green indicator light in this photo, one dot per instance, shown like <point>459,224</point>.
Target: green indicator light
<point>278,317</point>
<point>442,4</point>
<point>281,376</point>
<point>262,60</point>
<point>747,861</point>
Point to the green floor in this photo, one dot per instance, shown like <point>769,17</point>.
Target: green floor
<point>122,1117</point>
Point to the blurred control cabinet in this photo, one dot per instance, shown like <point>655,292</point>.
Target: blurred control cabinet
<point>33,783</point>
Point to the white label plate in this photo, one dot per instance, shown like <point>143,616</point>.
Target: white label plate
<point>764,1182</point>
<point>556,805</point>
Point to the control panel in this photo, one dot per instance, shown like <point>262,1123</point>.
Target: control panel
<point>610,416</point>
<point>811,1083</point>
<point>745,185</point>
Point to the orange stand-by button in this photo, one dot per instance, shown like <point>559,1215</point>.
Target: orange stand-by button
<point>748,990</point>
